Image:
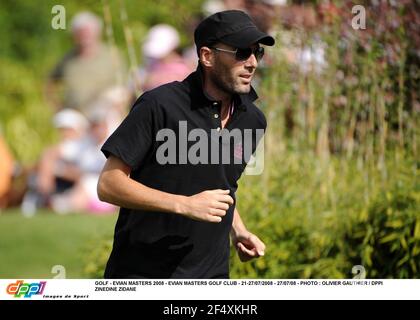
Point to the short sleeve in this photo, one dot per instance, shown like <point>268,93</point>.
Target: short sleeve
<point>134,138</point>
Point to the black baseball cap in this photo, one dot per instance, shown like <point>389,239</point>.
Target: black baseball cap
<point>231,27</point>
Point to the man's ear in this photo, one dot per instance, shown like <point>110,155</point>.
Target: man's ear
<point>206,57</point>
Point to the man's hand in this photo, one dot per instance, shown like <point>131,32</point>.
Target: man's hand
<point>209,206</point>
<point>248,245</point>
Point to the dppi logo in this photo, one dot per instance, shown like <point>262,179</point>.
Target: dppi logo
<point>27,290</point>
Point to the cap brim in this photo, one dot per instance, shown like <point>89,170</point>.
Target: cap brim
<point>247,37</point>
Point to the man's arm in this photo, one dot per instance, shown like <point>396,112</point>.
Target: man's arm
<point>116,187</point>
<point>247,244</point>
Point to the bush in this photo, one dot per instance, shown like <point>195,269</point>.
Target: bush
<point>96,257</point>
<point>386,238</point>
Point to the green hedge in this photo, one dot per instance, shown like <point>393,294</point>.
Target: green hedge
<point>386,238</point>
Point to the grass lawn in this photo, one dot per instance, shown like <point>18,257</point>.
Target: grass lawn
<point>30,247</point>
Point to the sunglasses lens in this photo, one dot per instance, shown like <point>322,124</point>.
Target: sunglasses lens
<point>259,53</point>
<point>244,54</point>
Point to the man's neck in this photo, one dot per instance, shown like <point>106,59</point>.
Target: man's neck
<point>216,93</point>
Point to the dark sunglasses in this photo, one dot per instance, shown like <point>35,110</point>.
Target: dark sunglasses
<point>244,54</point>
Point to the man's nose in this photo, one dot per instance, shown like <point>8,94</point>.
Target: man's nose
<point>251,62</point>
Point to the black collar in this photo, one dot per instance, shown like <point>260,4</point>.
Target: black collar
<point>201,99</point>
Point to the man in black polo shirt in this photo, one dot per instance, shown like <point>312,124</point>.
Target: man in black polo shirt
<point>172,166</point>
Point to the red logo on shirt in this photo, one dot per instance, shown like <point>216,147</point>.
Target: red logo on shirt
<point>237,151</point>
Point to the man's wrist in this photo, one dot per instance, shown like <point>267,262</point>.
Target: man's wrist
<point>180,205</point>
<point>236,232</point>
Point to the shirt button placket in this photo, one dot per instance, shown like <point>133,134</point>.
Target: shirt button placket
<point>216,116</point>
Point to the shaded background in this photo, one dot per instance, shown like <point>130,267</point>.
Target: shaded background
<point>340,186</point>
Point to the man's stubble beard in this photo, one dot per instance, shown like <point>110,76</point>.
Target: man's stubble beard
<point>224,80</point>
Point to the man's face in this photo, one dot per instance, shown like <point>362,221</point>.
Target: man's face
<point>86,35</point>
<point>99,130</point>
<point>230,75</point>
<point>68,133</point>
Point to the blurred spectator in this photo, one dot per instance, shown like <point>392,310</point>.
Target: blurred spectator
<point>89,69</point>
<point>264,12</point>
<point>190,57</point>
<point>189,54</point>
<point>212,6</point>
<point>163,64</point>
<point>6,171</point>
<point>234,4</point>
<point>57,170</point>
<point>83,196</point>
<point>115,101</point>
<point>301,44</point>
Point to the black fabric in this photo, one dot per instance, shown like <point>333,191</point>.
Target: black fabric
<point>62,185</point>
<point>164,245</point>
<point>232,27</point>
